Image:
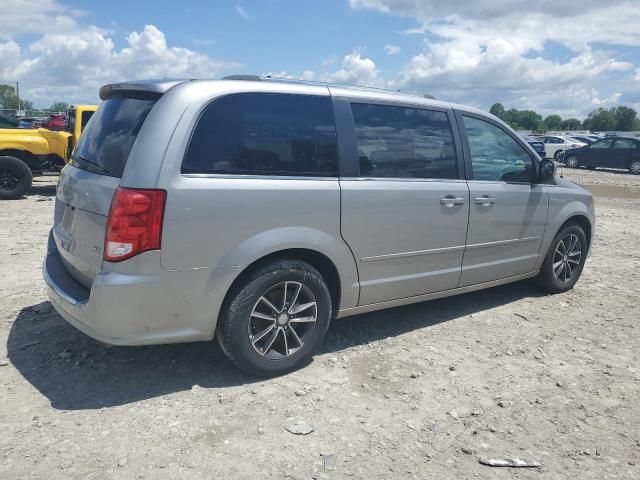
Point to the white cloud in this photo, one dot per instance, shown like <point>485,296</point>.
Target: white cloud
<point>242,12</point>
<point>355,70</point>
<point>481,51</point>
<point>390,49</point>
<point>71,64</point>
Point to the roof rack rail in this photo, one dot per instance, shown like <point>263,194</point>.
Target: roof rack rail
<point>345,85</point>
<point>257,78</point>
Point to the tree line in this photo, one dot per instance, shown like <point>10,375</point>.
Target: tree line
<point>9,101</point>
<point>599,120</point>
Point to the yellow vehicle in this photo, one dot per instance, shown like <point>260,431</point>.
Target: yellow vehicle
<point>27,152</point>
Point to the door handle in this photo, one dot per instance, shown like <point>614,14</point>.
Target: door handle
<point>484,200</point>
<point>450,201</point>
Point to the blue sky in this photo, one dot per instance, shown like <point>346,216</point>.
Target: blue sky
<point>470,51</point>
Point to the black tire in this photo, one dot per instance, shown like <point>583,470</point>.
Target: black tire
<point>234,324</point>
<point>557,155</point>
<point>15,178</point>
<point>547,280</point>
<point>634,166</point>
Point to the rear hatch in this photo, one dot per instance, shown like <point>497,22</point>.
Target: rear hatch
<point>87,184</point>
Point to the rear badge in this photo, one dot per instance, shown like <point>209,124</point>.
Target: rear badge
<point>96,251</point>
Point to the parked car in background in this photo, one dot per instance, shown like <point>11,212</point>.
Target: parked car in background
<point>586,139</point>
<point>258,211</point>
<point>554,145</point>
<point>28,122</point>
<point>610,152</point>
<point>536,144</point>
<point>55,121</point>
<point>8,121</point>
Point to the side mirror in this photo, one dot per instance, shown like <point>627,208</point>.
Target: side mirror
<point>547,169</point>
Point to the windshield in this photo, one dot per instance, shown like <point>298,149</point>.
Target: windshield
<point>107,140</point>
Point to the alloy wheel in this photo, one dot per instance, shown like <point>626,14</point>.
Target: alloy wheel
<point>567,258</point>
<point>635,167</point>
<point>282,320</point>
<point>572,162</point>
<point>8,179</point>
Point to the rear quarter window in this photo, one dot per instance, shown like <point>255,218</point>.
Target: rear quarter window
<point>106,142</point>
<point>265,134</point>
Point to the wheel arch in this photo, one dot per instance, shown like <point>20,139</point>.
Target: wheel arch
<point>320,261</point>
<point>637,159</point>
<point>584,223</point>
<point>27,157</point>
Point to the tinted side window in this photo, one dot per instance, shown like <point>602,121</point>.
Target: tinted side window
<point>86,116</point>
<point>624,143</point>
<point>265,134</point>
<point>401,142</point>
<point>602,143</point>
<point>495,155</point>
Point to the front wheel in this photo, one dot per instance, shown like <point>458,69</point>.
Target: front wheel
<point>565,259</point>
<point>571,161</point>
<point>634,167</point>
<point>276,319</point>
<point>15,178</point>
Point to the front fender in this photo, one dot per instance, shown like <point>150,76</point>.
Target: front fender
<point>564,204</point>
<point>286,238</point>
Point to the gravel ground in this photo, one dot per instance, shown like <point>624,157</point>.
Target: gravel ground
<point>422,391</point>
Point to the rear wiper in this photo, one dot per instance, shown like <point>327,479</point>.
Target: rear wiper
<point>91,162</point>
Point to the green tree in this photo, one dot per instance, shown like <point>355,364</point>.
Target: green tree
<point>59,107</point>
<point>529,119</point>
<point>601,120</point>
<point>541,128</point>
<point>571,124</point>
<point>497,109</point>
<point>624,118</point>
<point>553,122</point>
<point>8,98</point>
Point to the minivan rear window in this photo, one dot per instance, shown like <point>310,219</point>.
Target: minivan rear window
<point>266,134</point>
<point>106,142</point>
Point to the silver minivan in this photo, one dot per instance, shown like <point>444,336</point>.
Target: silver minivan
<point>257,210</point>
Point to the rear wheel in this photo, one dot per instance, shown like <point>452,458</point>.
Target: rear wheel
<point>634,167</point>
<point>571,161</point>
<point>276,319</point>
<point>565,259</point>
<point>15,178</point>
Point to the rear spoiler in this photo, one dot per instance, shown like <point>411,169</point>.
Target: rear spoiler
<point>144,89</point>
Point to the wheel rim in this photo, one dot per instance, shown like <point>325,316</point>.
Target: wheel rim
<point>572,162</point>
<point>567,258</point>
<point>283,320</point>
<point>635,167</point>
<point>8,179</point>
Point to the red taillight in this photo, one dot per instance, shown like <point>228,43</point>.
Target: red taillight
<point>134,224</point>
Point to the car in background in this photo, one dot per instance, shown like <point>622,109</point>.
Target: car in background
<point>28,122</point>
<point>610,152</point>
<point>535,143</point>
<point>586,139</point>
<point>8,121</point>
<point>554,145</point>
<point>55,121</point>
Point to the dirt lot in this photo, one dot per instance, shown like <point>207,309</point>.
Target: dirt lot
<point>417,392</point>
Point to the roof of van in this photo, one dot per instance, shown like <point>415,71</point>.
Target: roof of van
<point>157,87</point>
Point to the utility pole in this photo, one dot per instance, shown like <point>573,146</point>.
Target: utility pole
<point>18,94</point>
<point>572,94</point>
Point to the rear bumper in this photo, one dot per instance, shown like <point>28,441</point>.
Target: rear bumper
<point>166,306</point>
